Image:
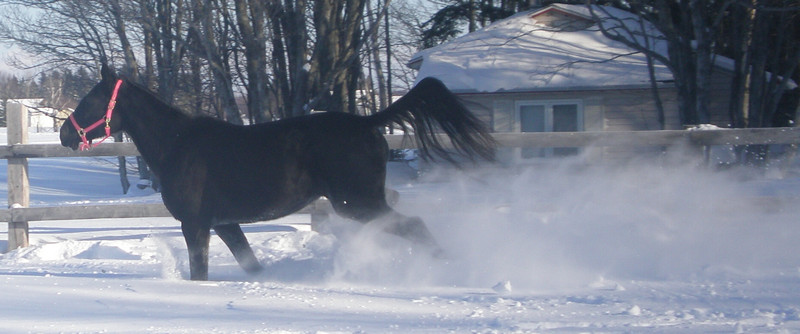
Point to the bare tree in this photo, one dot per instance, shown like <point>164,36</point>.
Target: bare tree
<point>697,31</point>
<point>61,33</point>
<point>212,41</point>
<point>289,56</point>
<point>289,42</point>
<point>763,73</point>
<point>118,17</point>
<point>251,20</point>
<point>335,64</point>
<point>691,70</point>
<point>374,49</point>
<point>164,20</point>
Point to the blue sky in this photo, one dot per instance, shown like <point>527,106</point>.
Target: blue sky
<point>7,51</point>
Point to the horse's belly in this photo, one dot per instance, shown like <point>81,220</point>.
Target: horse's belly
<point>260,208</point>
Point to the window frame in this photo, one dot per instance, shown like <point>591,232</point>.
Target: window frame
<point>548,120</point>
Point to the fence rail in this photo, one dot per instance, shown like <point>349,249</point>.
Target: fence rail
<point>18,151</point>
<point>58,151</point>
<point>526,139</point>
<point>84,212</point>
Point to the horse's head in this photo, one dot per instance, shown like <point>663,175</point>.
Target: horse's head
<point>92,109</point>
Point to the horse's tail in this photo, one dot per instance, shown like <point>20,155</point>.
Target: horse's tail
<point>430,108</point>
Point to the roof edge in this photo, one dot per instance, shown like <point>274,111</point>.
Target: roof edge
<point>561,89</point>
<point>555,7</point>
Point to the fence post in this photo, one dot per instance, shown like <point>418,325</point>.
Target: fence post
<point>18,183</point>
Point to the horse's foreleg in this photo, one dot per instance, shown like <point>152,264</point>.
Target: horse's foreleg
<point>234,238</point>
<point>197,238</point>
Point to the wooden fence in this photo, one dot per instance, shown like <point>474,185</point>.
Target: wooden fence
<point>18,151</point>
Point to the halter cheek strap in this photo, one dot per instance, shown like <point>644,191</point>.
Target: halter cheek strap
<point>86,144</point>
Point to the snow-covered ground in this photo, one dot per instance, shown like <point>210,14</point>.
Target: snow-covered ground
<point>553,248</point>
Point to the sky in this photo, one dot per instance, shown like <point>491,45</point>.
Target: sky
<point>4,49</point>
<point>7,51</point>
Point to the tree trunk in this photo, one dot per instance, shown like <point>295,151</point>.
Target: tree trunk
<point>281,81</point>
<point>123,167</point>
<point>741,39</point>
<point>338,45</point>
<point>702,60</point>
<point>131,66</point>
<point>251,21</point>
<point>131,70</point>
<point>289,41</point>
<point>206,41</point>
<point>376,62</point>
<point>167,57</point>
<point>297,52</point>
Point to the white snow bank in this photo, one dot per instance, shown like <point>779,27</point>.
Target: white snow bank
<point>566,225</point>
<point>555,247</point>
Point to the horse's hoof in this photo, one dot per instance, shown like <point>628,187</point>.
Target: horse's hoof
<point>254,270</point>
<point>199,278</point>
<point>439,254</point>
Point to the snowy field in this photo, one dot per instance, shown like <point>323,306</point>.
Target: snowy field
<point>553,248</point>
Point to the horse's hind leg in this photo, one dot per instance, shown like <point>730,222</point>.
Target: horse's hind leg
<point>197,237</point>
<point>356,190</point>
<point>234,238</point>
<point>410,228</point>
<point>375,210</point>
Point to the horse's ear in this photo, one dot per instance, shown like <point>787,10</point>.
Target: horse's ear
<point>107,73</point>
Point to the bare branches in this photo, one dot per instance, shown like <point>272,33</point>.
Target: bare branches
<point>284,56</point>
<point>58,33</point>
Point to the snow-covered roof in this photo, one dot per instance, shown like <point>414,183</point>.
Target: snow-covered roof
<point>544,49</point>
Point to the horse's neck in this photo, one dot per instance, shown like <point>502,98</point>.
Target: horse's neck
<point>152,124</point>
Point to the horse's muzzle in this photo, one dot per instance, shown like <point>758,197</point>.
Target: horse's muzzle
<point>69,137</point>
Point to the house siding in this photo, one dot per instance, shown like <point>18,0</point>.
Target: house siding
<point>603,110</point>
<point>634,110</point>
<point>607,110</point>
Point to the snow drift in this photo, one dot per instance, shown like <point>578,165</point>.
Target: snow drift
<point>562,246</point>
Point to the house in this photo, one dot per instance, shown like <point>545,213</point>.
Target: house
<point>40,119</point>
<point>552,69</point>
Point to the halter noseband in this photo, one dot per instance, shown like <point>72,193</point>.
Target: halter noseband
<point>86,144</point>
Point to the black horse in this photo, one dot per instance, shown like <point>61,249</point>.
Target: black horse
<point>218,175</point>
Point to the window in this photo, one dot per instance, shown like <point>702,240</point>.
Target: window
<point>549,116</point>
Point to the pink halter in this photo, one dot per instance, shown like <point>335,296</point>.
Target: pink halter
<point>86,144</point>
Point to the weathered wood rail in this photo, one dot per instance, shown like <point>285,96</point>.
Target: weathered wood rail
<point>18,151</point>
